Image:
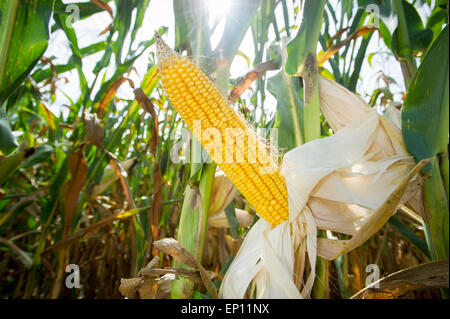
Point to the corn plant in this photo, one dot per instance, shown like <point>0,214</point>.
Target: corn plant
<point>349,184</point>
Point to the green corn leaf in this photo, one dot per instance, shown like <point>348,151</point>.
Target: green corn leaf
<point>260,27</point>
<point>436,207</point>
<point>7,140</point>
<point>289,116</point>
<point>41,75</point>
<point>232,220</point>
<point>398,225</point>
<point>419,37</point>
<point>11,162</point>
<point>436,20</point>
<point>236,25</point>
<point>384,11</point>
<point>305,41</point>
<point>425,131</point>
<point>86,9</point>
<point>24,35</point>
<point>425,112</point>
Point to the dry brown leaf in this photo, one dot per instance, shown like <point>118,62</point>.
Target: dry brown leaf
<point>122,174</point>
<point>129,287</point>
<point>49,115</point>
<point>155,261</point>
<point>335,48</point>
<point>104,6</point>
<point>164,289</point>
<point>172,247</point>
<point>78,169</point>
<point>431,275</point>
<point>244,82</point>
<point>148,289</point>
<point>155,216</point>
<point>148,106</point>
<point>91,229</point>
<point>337,35</point>
<point>109,95</point>
<point>93,128</point>
<point>154,283</point>
<point>107,29</point>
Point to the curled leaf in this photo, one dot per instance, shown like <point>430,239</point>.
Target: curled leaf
<point>129,287</point>
<point>94,129</point>
<point>244,82</point>
<point>431,275</point>
<point>172,247</point>
<point>223,192</point>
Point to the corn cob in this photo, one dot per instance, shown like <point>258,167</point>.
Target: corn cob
<point>251,168</point>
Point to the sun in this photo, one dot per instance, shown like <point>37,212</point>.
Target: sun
<point>218,8</point>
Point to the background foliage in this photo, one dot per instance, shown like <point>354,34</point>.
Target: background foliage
<point>94,185</point>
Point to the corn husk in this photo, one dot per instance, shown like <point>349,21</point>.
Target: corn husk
<point>222,194</point>
<point>350,183</point>
<point>220,220</point>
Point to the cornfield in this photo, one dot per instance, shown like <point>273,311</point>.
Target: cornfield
<point>224,149</point>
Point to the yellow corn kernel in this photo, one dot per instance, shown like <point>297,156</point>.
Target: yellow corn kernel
<point>196,98</point>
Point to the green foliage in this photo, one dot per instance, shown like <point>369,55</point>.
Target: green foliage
<point>305,41</point>
<point>419,37</point>
<point>36,177</point>
<point>24,36</point>
<point>425,130</point>
<point>425,114</point>
<point>7,141</point>
<point>289,116</point>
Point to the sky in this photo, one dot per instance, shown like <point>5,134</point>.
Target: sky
<point>160,13</point>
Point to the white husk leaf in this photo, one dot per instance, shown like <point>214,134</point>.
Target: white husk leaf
<point>246,264</point>
<point>220,220</point>
<point>350,182</point>
<point>222,194</point>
